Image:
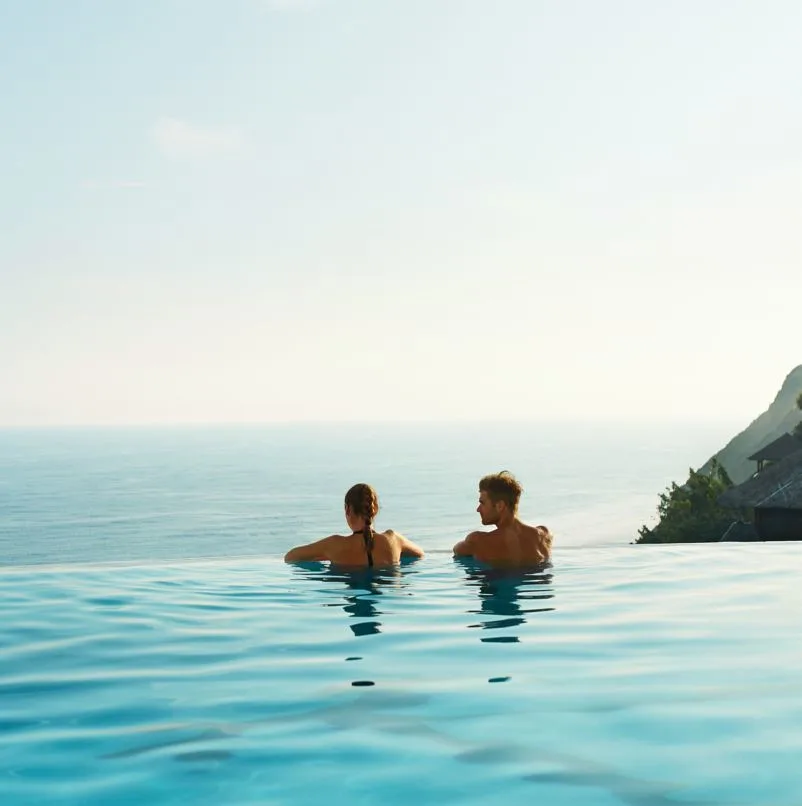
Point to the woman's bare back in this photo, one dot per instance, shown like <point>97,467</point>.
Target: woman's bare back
<point>349,550</point>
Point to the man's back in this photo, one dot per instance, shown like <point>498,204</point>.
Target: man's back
<point>512,544</point>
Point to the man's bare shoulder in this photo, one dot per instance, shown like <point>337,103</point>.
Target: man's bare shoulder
<point>545,535</point>
<point>540,532</point>
<point>539,538</point>
<point>468,545</point>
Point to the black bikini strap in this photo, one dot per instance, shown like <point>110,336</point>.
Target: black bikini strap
<point>367,539</point>
<point>368,547</point>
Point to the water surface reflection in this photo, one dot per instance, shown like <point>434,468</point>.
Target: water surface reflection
<point>507,596</point>
<point>362,588</point>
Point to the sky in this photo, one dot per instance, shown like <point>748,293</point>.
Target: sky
<point>272,210</point>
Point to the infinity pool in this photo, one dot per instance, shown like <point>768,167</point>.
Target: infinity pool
<point>640,675</point>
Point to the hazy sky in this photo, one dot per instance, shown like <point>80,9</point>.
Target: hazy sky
<point>247,210</point>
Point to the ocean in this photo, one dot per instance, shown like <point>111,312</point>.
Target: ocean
<point>87,495</point>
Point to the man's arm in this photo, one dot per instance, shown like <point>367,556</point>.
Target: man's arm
<point>545,541</point>
<point>309,552</point>
<point>466,547</point>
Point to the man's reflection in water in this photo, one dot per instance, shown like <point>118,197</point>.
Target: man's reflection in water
<point>367,584</point>
<point>502,591</point>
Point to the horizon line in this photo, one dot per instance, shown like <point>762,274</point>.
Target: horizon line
<point>137,424</point>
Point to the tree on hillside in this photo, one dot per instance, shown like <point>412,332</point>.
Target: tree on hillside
<point>798,429</point>
<point>690,513</point>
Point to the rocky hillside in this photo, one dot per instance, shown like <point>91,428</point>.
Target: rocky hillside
<point>780,417</point>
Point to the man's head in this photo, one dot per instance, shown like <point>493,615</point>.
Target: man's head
<point>499,495</point>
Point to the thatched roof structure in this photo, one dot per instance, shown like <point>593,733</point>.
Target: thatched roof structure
<point>775,451</point>
<point>778,485</point>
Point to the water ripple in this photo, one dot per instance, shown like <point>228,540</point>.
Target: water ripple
<point>643,678</point>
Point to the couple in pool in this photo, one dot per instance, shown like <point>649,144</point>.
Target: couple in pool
<point>510,543</point>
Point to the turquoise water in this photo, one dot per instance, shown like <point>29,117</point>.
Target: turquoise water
<point>132,671</point>
<point>646,676</point>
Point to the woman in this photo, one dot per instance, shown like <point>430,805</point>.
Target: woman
<point>363,547</point>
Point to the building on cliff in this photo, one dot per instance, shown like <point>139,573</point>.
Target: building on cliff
<point>774,494</point>
<point>776,451</point>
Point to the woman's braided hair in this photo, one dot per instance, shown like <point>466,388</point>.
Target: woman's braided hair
<point>363,502</point>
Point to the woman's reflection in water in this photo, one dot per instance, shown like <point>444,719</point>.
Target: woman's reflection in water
<point>366,584</point>
<point>502,591</point>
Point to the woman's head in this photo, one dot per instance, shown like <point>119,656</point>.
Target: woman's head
<point>361,501</point>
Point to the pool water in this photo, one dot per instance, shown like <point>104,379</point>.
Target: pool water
<point>636,675</point>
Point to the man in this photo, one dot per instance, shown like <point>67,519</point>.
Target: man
<point>511,542</point>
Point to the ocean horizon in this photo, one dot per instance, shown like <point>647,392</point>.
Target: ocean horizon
<point>86,494</point>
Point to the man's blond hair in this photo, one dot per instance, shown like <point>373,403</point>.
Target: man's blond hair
<point>502,487</point>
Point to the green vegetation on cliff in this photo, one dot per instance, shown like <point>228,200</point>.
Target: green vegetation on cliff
<point>690,513</point>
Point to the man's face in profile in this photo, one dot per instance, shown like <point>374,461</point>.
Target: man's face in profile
<point>488,511</point>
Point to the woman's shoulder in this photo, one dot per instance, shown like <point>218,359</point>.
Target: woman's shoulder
<point>396,538</point>
<point>390,535</point>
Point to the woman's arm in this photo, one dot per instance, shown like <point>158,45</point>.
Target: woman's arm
<point>410,549</point>
<point>311,551</point>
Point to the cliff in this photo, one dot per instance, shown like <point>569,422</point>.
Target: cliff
<point>779,418</point>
